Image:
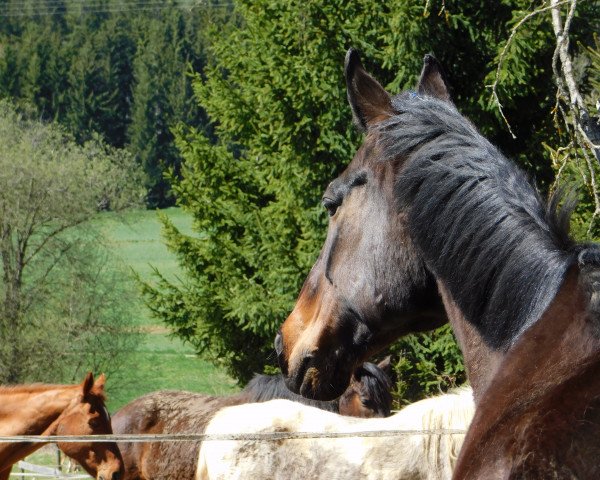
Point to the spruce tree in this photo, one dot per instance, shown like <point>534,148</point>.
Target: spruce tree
<point>162,94</point>
<point>276,96</point>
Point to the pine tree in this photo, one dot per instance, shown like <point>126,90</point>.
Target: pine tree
<point>100,79</point>
<point>162,94</point>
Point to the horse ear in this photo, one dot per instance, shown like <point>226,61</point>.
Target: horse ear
<point>368,99</point>
<point>433,81</point>
<point>388,368</point>
<point>87,384</point>
<point>99,384</point>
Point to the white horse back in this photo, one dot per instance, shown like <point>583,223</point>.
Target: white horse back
<point>408,456</point>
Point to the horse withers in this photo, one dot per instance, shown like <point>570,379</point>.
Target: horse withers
<point>427,197</point>
<point>40,409</point>
<point>185,412</point>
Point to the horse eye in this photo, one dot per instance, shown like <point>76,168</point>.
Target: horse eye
<point>359,179</point>
<point>330,205</point>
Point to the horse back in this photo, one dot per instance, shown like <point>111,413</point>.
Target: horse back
<point>166,412</point>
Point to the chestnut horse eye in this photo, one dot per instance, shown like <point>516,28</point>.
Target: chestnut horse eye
<point>330,205</point>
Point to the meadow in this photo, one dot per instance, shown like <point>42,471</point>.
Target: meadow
<point>162,361</point>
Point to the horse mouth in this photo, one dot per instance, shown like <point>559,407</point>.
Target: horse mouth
<point>311,383</point>
<point>315,377</point>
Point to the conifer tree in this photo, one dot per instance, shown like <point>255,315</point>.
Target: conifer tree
<point>276,96</point>
<point>100,77</point>
<point>108,68</point>
<point>162,94</point>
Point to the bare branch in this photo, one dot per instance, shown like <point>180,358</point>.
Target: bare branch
<point>503,53</point>
<point>584,125</point>
<point>562,46</point>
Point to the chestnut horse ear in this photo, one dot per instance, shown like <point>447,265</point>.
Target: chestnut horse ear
<point>367,98</point>
<point>88,383</point>
<point>433,81</point>
<point>99,384</point>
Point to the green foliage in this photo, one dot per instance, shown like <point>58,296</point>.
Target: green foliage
<point>161,360</point>
<point>105,72</point>
<point>162,95</point>
<point>576,169</point>
<point>79,315</point>
<point>427,365</point>
<point>283,129</point>
<point>51,261</point>
<point>275,93</point>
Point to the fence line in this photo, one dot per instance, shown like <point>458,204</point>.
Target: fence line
<point>33,470</point>
<point>203,437</point>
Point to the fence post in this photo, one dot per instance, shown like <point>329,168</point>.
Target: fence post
<point>58,458</point>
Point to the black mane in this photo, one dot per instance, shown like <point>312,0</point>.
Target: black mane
<point>482,227</point>
<point>376,384</point>
<point>263,388</point>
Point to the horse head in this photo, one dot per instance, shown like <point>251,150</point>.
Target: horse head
<point>87,415</point>
<point>369,393</point>
<point>369,285</point>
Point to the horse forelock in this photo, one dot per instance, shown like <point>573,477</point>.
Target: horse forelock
<point>482,228</point>
<point>377,385</point>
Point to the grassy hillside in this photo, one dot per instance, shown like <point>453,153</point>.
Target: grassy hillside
<point>162,362</point>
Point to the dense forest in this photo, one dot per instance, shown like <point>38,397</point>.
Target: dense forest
<point>237,112</point>
<point>117,69</point>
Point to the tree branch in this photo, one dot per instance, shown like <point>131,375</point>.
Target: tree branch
<point>588,128</point>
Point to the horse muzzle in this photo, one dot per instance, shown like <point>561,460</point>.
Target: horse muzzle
<point>313,375</point>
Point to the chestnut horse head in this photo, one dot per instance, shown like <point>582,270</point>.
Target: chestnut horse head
<point>86,414</point>
<point>42,409</point>
<point>369,284</point>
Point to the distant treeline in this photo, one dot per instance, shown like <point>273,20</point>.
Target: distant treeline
<point>119,69</point>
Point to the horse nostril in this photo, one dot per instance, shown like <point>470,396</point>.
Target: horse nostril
<point>278,343</point>
<point>101,477</point>
<point>280,357</point>
<point>116,476</point>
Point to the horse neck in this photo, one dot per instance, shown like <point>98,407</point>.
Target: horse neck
<point>33,409</point>
<point>548,382</point>
<point>481,361</point>
<point>481,226</point>
<point>30,410</point>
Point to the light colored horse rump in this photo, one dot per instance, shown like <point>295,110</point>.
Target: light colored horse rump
<point>411,456</point>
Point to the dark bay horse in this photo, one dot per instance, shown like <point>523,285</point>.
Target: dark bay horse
<point>40,409</point>
<point>426,194</point>
<point>185,412</point>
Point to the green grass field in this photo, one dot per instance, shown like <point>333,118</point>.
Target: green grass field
<point>162,361</point>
